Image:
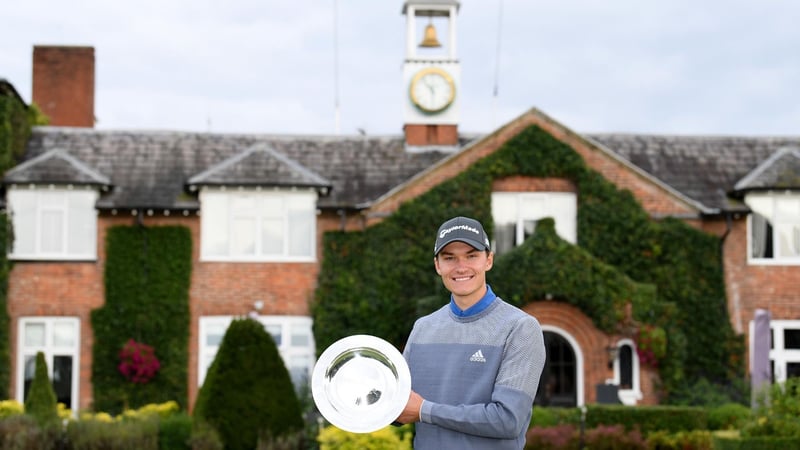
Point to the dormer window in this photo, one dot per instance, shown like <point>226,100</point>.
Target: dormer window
<point>258,225</point>
<point>774,228</point>
<point>53,223</point>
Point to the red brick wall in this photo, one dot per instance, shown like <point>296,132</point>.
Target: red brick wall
<point>592,343</point>
<point>431,134</point>
<point>63,84</point>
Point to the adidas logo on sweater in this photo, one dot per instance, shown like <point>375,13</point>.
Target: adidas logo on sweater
<point>477,357</point>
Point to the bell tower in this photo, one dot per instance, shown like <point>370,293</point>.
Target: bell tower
<point>431,73</point>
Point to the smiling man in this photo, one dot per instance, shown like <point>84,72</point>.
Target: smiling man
<point>475,363</point>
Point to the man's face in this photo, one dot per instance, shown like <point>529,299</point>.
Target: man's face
<point>463,271</point>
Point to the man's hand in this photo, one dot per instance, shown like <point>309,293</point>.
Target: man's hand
<point>411,412</point>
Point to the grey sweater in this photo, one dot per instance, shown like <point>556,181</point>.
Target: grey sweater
<point>478,375</point>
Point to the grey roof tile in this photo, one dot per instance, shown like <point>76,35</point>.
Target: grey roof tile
<point>779,171</point>
<point>704,168</point>
<point>149,169</point>
<point>55,166</point>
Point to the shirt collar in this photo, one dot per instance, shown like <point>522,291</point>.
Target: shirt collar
<point>477,308</point>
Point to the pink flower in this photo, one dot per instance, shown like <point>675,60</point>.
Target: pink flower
<point>138,362</point>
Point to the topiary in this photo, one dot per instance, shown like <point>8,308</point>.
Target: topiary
<point>41,401</point>
<point>247,391</point>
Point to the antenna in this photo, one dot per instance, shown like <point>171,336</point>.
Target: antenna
<point>336,113</point>
<point>496,89</point>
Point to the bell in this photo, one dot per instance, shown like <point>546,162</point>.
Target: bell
<point>430,37</point>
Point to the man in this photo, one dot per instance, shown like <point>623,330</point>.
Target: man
<point>475,363</point>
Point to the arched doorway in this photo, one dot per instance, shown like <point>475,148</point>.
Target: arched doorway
<point>558,385</point>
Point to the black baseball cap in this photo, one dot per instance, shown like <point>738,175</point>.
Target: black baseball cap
<point>462,229</point>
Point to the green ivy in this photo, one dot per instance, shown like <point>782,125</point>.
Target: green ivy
<point>5,321</point>
<point>15,129</point>
<point>375,281</point>
<point>147,277</point>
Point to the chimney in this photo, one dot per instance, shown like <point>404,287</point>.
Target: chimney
<point>63,84</point>
<point>431,134</point>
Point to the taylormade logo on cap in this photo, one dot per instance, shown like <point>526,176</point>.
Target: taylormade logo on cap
<point>462,229</point>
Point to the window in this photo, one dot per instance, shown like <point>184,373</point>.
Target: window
<point>59,339</point>
<point>784,353</point>
<point>515,216</point>
<point>53,224</point>
<point>626,373</point>
<point>252,225</point>
<point>292,336</point>
<point>774,228</point>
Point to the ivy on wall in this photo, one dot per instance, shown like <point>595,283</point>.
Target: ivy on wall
<point>147,277</point>
<point>374,281</point>
<point>15,129</point>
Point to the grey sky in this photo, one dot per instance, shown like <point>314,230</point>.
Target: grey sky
<point>267,66</point>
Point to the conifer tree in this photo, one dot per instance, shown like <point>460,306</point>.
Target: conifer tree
<point>41,400</point>
<point>247,391</point>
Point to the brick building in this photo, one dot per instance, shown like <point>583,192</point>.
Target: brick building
<point>75,182</point>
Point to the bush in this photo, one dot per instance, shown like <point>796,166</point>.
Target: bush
<point>614,437</point>
<point>91,434</point>
<point>682,440</point>
<point>10,408</point>
<point>731,440</point>
<point>41,401</point>
<point>247,391</point>
<point>778,414</point>
<point>21,432</point>
<point>388,438</point>
<point>552,438</point>
<point>730,416</point>
<point>175,432</point>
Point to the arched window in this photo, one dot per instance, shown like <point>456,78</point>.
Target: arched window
<point>559,382</point>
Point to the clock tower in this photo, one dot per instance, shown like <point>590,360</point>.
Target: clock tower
<point>431,73</point>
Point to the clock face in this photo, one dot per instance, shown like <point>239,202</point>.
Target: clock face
<point>432,90</point>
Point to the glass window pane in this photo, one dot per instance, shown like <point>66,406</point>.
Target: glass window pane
<point>30,371</point>
<point>791,339</point>
<point>214,334</point>
<point>272,236</point>
<point>62,379</point>
<point>272,206</point>
<point>214,223</point>
<point>276,331</point>
<point>788,240</point>
<point>243,238</point>
<point>82,224</point>
<point>51,231</point>
<point>34,335</point>
<point>300,336</point>
<point>64,334</point>
<point>301,229</point>
<point>23,210</point>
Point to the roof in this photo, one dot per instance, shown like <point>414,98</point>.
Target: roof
<point>157,169</point>
<point>151,169</point>
<point>703,168</point>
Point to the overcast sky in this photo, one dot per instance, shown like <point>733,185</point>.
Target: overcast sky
<point>268,66</point>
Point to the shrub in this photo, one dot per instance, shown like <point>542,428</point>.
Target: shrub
<point>91,434</point>
<point>10,408</point>
<point>682,440</point>
<point>41,401</point>
<point>778,413</point>
<point>247,390</point>
<point>332,438</point>
<point>23,432</point>
<point>552,438</point>
<point>614,437</point>
<point>730,416</point>
<point>175,432</point>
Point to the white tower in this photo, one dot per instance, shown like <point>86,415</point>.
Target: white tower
<point>431,73</point>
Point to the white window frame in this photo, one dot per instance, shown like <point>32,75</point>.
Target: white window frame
<point>634,394</point>
<point>28,207</point>
<point>293,211</point>
<point>767,204</point>
<point>778,355</point>
<point>516,208</point>
<point>50,350</point>
<point>296,358</point>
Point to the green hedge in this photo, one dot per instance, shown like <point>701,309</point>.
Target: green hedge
<point>376,281</point>
<point>728,442</point>
<point>649,418</point>
<point>147,277</point>
<point>5,320</point>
